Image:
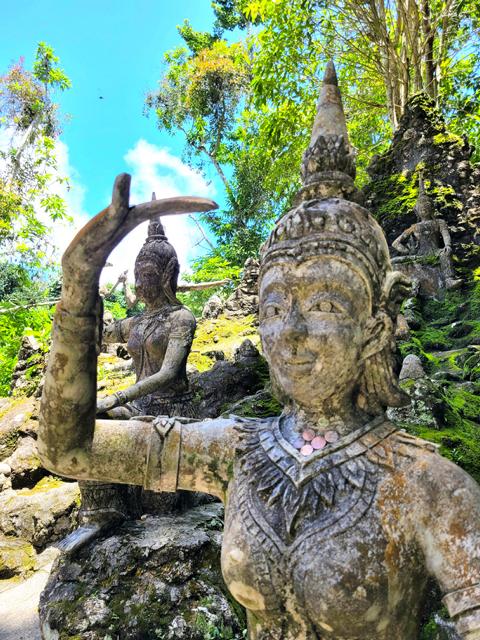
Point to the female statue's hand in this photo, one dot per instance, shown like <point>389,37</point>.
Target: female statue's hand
<point>110,402</point>
<point>86,255</point>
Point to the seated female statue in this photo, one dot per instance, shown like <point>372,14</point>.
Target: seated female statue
<point>334,519</point>
<point>159,341</point>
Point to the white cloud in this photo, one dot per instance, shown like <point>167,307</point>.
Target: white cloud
<point>73,194</point>
<point>155,169</point>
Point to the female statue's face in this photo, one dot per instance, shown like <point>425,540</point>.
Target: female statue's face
<point>312,324</point>
<point>147,281</point>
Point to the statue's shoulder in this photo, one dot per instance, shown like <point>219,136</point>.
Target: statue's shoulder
<point>407,444</point>
<point>394,448</point>
<point>422,462</point>
<point>248,429</point>
<point>183,316</point>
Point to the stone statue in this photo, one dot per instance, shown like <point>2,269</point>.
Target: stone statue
<point>244,300</point>
<point>424,239</point>
<point>334,518</point>
<point>159,341</point>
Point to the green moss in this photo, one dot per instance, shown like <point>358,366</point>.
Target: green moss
<point>16,557</point>
<point>229,334</point>
<point>431,630</point>
<point>447,138</point>
<point>398,194</point>
<point>45,484</point>
<point>459,437</point>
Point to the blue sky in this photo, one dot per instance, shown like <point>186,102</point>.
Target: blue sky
<point>112,49</point>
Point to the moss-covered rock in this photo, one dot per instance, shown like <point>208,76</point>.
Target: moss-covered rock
<point>17,557</point>
<point>422,142</point>
<point>221,334</point>
<point>153,579</point>
<point>41,514</point>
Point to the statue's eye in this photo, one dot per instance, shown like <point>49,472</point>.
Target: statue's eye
<point>271,311</point>
<point>324,306</point>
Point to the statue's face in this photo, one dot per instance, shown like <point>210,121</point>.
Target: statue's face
<point>312,324</point>
<point>147,281</point>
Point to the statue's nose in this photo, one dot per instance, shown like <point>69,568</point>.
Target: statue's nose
<point>295,324</point>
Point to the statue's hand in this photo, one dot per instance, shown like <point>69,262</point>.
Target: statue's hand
<point>86,255</point>
<point>108,403</point>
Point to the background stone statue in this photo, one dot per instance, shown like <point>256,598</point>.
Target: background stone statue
<point>159,341</point>
<point>334,518</point>
<point>244,300</point>
<point>429,237</point>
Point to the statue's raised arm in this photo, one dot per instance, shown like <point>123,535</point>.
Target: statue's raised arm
<point>71,442</point>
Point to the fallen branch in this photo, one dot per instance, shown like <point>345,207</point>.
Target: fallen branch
<point>46,303</point>
<point>198,286</point>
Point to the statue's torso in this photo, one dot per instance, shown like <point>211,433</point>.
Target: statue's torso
<point>147,344</point>
<point>333,555</point>
<point>427,237</point>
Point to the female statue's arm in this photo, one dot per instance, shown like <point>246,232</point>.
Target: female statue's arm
<point>450,537</point>
<point>70,442</point>
<point>195,456</point>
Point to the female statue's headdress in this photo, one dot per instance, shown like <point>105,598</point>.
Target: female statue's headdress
<point>159,251</point>
<point>327,219</point>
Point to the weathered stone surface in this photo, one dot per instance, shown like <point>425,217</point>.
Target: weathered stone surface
<point>425,409</point>
<point>228,382</point>
<point>25,466</point>
<point>40,515</point>
<point>244,300</point>
<point>17,557</point>
<point>158,577</point>
<point>422,140</point>
<point>412,368</point>
<point>28,372</point>
<point>213,307</point>
<point>18,417</point>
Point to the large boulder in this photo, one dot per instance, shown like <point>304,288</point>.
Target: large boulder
<point>40,515</point>
<point>25,466</point>
<point>28,373</point>
<point>158,577</point>
<point>17,557</point>
<point>228,382</point>
<point>18,417</point>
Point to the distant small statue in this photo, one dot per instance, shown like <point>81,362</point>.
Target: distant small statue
<point>212,308</point>
<point>244,300</point>
<point>427,237</point>
<point>159,341</point>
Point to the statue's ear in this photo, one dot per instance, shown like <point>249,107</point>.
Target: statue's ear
<point>396,288</point>
<point>379,329</point>
<point>378,333</point>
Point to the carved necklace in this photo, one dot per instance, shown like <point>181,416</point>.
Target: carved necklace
<point>309,441</point>
<point>317,488</point>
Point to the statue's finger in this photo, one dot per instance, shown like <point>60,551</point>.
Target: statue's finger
<point>121,191</point>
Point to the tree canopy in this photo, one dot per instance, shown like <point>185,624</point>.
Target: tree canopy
<point>29,125</point>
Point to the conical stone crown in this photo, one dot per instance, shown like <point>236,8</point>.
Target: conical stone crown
<point>328,167</point>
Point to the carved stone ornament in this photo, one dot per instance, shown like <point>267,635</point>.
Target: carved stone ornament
<point>429,238</point>
<point>334,519</point>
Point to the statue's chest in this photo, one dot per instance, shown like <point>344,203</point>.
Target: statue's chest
<point>309,539</point>
<point>148,342</point>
